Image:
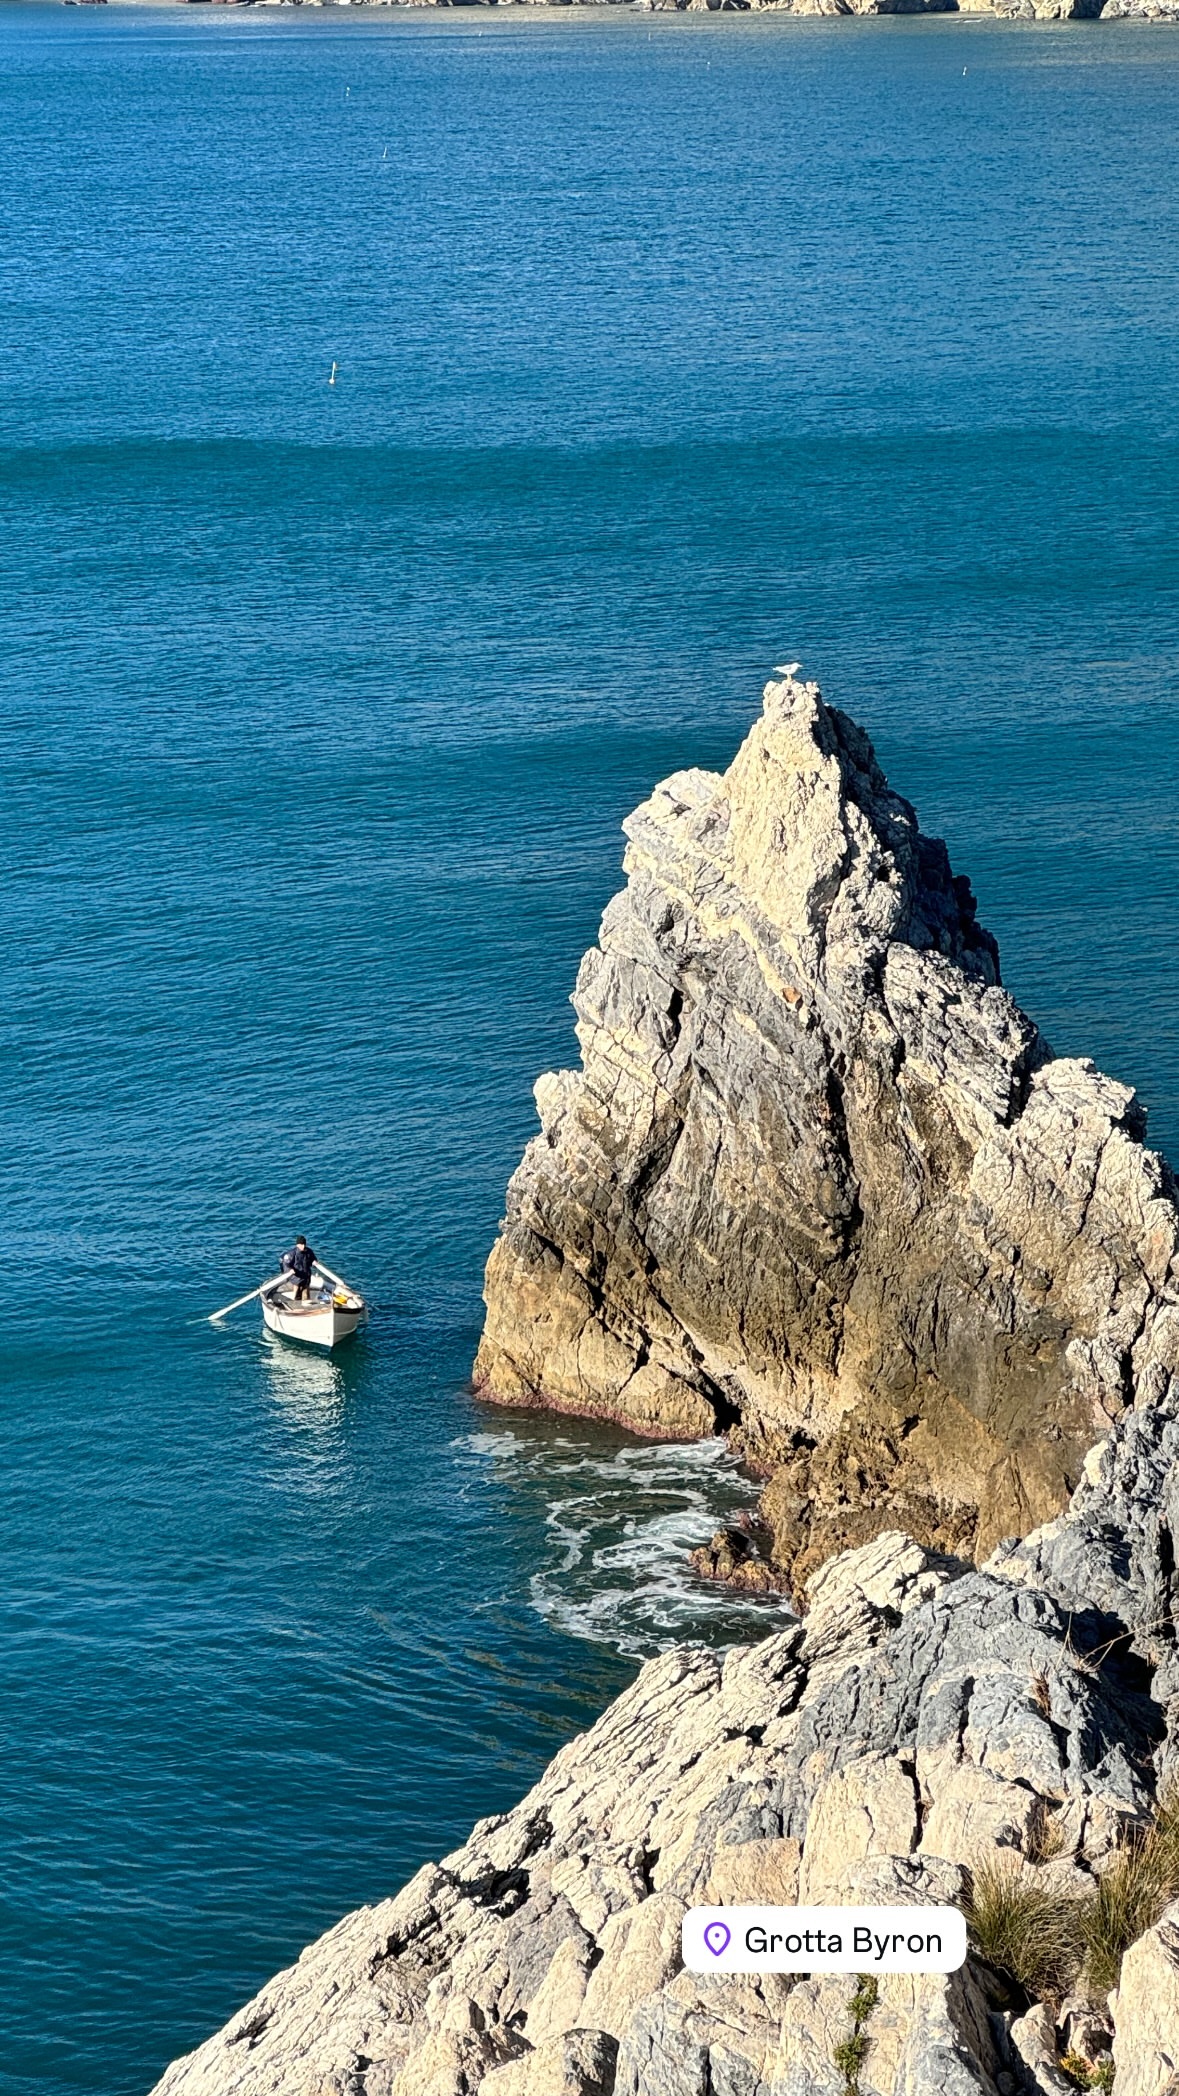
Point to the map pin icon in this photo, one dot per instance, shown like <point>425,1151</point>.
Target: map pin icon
<point>716,1936</point>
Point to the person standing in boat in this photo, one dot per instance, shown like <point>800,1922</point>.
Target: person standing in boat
<point>298,1263</point>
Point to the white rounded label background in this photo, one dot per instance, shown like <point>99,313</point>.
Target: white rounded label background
<point>824,1939</point>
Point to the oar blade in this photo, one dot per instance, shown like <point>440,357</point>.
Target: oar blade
<point>237,1303</point>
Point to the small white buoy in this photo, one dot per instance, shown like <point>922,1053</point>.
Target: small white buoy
<point>332,379</point>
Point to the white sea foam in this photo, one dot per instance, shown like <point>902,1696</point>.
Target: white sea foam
<point>614,1525</point>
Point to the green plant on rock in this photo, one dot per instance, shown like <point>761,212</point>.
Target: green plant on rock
<point>850,2054</point>
<point>849,2057</point>
<point>1087,2074</point>
<point>864,1999</point>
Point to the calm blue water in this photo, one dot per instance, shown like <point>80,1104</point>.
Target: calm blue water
<point>668,350</point>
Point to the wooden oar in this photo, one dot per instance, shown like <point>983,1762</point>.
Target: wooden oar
<point>345,1285</point>
<point>272,1283</point>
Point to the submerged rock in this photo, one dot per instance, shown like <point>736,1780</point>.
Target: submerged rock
<point>820,1182</point>
<point>733,1558</point>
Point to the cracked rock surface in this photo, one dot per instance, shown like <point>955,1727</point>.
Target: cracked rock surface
<point>920,1715</point>
<point>820,1182</point>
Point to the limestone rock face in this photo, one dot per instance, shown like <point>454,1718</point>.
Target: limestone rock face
<point>1112,1557</point>
<point>543,1958</point>
<point>1144,10</point>
<point>820,1182</point>
<point>1146,2012</point>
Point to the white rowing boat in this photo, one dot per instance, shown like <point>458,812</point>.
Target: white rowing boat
<point>329,1313</point>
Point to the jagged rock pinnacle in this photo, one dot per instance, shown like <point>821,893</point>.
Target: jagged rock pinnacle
<point>819,1181</point>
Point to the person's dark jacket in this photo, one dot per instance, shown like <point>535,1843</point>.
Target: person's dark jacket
<point>300,1262</point>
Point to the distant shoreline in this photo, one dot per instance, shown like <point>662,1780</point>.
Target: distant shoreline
<point>1017,11</point>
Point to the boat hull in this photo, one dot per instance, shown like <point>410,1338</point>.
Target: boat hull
<point>320,1322</point>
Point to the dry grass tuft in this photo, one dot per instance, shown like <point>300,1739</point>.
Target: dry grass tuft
<point>1045,1940</point>
<point>1047,1838</point>
<point>1026,1929</point>
<point>1132,1892</point>
<point>1041,1694</point>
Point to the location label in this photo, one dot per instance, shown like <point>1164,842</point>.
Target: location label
<point>824,1939</point>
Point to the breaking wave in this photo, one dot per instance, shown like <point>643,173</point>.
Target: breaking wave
<point>615,1524</point>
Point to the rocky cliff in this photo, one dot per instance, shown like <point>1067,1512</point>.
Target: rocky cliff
<point>924,1724</point>
<point>820,1183</point>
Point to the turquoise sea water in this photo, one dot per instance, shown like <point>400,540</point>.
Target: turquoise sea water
<point>668,350</point>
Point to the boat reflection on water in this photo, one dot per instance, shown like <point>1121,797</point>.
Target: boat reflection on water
<point>308,1387</point>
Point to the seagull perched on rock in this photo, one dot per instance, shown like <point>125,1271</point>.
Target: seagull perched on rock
<point>787,669</point>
